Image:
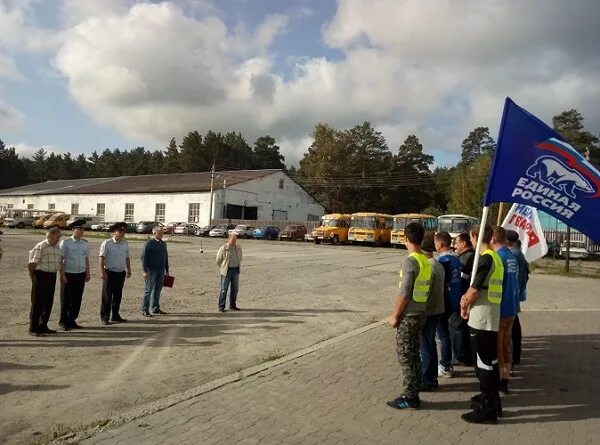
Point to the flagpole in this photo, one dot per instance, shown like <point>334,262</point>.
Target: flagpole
<point>484,217</point>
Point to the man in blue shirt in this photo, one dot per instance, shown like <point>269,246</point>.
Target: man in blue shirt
<point>155,264</point>
<point>508,306</point>
<point>514,244</point>
<point>452,293</point>
<point>74,273</point>
<point>114,261</point>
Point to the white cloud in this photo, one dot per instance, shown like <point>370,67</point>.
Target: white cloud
<point>11,119</point>
<point>436,69</point>
<point>25,150</point>
<point>18,30</point>
<point>9,69</point>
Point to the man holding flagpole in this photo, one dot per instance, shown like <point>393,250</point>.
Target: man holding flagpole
<point>481,306</point>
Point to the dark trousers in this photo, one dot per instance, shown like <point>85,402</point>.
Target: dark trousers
<point>459,336</point>
<point>485,358</point>
<point>112,292</point>
<point>517,336</point>
<point>42,299</point>
<point>428,350</point>
<point>70,298</point>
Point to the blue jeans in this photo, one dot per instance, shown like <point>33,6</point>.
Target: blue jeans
<point>152,288</point>
<point>233,278</point>
<point>428,349</point>
<point>443,333</point>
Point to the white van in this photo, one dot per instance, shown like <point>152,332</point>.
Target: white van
<point>89,220</point>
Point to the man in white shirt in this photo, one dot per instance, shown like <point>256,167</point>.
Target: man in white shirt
<point>74,273</point>
<point>114,261</point>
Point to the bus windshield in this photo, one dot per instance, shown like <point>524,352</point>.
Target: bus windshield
<point>331,223</point>
<point>363,222</point>
<point>454,225</point>
<point>401,223</point>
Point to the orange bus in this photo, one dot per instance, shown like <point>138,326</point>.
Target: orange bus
<point>333,229</point>
<point>398,239</point>
<point>372,228</point>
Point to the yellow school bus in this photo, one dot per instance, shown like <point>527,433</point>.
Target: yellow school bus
<point>333,229</point>
<point>372,228</point>
<point>398,238</point>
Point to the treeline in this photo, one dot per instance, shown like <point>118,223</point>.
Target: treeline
<point>196,153</point>
<point>348,170</point>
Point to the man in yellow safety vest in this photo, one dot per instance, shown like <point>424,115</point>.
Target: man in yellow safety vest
<point>408,316</point>
<point>481,305</point>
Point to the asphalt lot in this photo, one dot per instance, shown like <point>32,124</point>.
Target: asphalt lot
<point>293,295</point>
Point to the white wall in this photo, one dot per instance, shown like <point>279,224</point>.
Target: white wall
<point>267,196</point>
<point>263,193</point>
<point>144,205</point>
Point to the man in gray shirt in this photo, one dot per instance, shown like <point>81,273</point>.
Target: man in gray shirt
<point>114,261</point>
<point>408,316</point>
<point>434,310</point>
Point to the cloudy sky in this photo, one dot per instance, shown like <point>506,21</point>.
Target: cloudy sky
<point>84,75</point>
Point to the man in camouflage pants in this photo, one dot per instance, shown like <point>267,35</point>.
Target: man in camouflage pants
<point>408,316</point>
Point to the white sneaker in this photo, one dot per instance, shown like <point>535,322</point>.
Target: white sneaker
<point>445,372</point>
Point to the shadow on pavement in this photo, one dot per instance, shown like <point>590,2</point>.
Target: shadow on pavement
<point>557,383</point>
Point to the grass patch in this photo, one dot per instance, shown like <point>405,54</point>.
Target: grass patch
<point>272,356</point>
<point>577,268</point>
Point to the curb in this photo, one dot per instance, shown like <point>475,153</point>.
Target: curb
<point>174,399</point>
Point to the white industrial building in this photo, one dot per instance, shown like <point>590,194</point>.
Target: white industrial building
<point>264,195</point>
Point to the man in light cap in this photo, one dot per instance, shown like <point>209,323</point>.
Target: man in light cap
<point>74,273</point>
<point>114,261</point>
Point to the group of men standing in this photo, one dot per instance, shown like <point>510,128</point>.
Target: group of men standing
<point>473,317</point>
<point>69,259</point>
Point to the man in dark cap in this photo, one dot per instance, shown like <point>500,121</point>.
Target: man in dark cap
<point>114,262</point>
<point>74,273</point>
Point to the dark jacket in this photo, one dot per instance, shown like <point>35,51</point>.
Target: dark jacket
<point>155,258</point>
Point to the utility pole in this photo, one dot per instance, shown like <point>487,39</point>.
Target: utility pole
<point>212,181</point>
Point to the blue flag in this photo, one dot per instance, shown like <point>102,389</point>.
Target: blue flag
<point>533,165</point>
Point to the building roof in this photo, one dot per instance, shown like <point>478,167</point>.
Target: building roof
<point>167,183</point>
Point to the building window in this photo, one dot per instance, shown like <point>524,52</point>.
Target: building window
<point>311,217</point>
<point>101,209</point>
<point>9,206</point>
<point>281,184</point>
<point>30,206</point>
<point>129,212</point>
<point>159,213</point>
<point>74,208</point>
<point>194,212</point>
<point>51,206</point>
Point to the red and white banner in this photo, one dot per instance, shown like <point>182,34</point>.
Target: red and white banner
<point>524,220</point>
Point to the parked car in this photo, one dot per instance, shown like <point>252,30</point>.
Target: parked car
<point>131,228</point>
<point>268,232</point>
<point>293,232</point>
<point>105,226</point>
<point>242,231</point>
<point>147,226</point>
<point>204,231</point>
<point>97,226</point>
<point>577,250</point>
<point>39,223</point>
<point>57,220</point>
<point>89,220</point>
<point>185,229</point>
<point>222,230</point>
<point>170,227</point>
<point>553,249</point>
